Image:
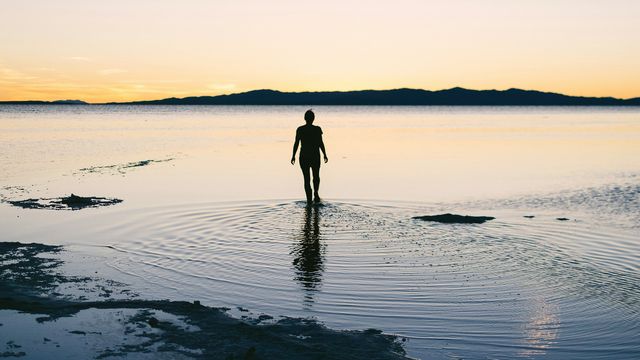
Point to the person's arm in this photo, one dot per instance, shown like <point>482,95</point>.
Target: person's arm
<point>324,152</point>
<point>295,147</point>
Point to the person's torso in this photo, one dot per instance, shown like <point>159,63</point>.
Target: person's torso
<point>310,139</point>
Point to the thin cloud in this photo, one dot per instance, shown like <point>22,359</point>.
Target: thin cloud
<point>79,58</point>
<point>106,72</point>
<point>151,81</point>
<point>222,86</point>
<point>46,69</point>
<point>8,74</point>
<point>140,89</point>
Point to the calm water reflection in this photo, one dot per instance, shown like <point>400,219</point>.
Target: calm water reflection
<point>308,254</point>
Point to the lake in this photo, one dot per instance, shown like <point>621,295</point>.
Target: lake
<point>212,211</point>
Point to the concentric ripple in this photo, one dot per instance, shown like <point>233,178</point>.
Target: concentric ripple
<point>512,287</point>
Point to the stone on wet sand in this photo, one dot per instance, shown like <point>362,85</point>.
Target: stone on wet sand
<point>455,219</point>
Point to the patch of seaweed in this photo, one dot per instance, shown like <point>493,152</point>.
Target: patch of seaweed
<point>24,270</point>
<point>72,202</point>
<point>31,269</point>
<point>455,219</point>
<point>210,332</point>
<point>12,350</point>
<point>120,168</point>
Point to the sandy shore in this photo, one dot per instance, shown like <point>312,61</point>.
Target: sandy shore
<point>37,316</point>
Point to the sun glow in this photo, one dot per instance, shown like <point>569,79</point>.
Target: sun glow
<point>121,51</point>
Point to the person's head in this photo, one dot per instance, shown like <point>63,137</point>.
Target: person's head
<point>309,116</point>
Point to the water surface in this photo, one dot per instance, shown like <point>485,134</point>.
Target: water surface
<point>220,222</point>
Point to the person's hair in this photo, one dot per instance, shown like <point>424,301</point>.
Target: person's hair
<point>309,115</point>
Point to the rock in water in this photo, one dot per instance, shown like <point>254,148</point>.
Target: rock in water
<point>73,202</point>
<point>455,219</point>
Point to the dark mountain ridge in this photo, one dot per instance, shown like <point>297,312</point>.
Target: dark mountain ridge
<point>454,96</point>
<point>40,102</point>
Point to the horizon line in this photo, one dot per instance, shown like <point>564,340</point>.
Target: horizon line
<point>318,91</point>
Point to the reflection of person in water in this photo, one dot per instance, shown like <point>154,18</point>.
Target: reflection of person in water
<point>311,138</point>
<point>308,254</point>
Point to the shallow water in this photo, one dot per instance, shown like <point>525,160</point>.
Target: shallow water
<point>428,154</point>
<point>204,226</point>
<point>511,287</point>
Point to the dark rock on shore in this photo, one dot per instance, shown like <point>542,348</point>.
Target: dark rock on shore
<point>72,202</point>
<point>455,219</point>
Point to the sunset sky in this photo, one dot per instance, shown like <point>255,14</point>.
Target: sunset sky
<point>150,49</point>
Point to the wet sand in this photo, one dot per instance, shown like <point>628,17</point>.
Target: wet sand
<point>29,275</point>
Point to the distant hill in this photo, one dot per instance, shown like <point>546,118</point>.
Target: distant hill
<point>38,102</point>
<point>454,96</point>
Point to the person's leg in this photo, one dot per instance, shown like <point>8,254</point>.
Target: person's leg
<point>307,180</point>
<point>316,182</point>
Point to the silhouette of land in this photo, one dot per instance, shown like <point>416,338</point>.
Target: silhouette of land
<point>454,96</point>
<point>40,102</point>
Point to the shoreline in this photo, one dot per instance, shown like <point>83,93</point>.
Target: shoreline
<point>205,332</point>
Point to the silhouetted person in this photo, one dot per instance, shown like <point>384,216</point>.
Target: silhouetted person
<point>307,251</point>
<point>311,138</point>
